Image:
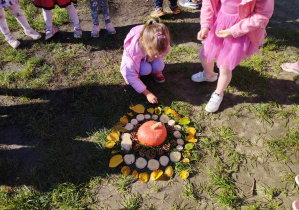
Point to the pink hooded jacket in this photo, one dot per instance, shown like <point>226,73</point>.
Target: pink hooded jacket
<point>131,60</point>
<point>254,17</point>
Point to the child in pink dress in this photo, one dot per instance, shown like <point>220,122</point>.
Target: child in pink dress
<point>232,30</point>
<point>291,67</point>
<point>295,204</point>
<point>143,48</point>
<point>14,8</point>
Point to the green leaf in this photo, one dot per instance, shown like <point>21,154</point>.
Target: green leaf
<point>189,146</point>
<point>184,121</point>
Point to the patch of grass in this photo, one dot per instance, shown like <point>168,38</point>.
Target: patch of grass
<point>131,202</point>
<point>123,183</point>
<point>190,192</point>
<point>263,111</point>
<point>284,146</point>
<point>177,52</point>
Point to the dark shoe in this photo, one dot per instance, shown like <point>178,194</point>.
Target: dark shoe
<point>158,77</point>
<point>158,12</point>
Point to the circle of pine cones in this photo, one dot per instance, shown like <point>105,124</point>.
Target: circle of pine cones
<point>135,145</point>
<point>173,143</point>
<point>151,153</point>
<point>142,152</point>
<point>134,136</point>
<point>137,126</point>
<point>160,151</point>
<point>170,129</point>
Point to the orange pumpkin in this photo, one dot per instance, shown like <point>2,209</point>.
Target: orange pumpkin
<point>152,133</point>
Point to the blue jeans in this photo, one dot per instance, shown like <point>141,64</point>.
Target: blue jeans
<point>159,3</point>
<point>156,66</point>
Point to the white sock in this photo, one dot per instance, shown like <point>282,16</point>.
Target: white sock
<point>3,24</point>
<point>16,11</point>
<point>73,14</point>
<point>48,18</point>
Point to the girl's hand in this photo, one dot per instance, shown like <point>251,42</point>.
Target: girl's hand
<point>224,33</point>
<point>150,97</point>
<point>203,33</point>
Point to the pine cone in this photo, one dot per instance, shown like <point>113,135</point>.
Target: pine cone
<point>136,146</point>
<point>136,127</point>
<point>170,129</point>
<point>134,136</point>
<point>166,147</point>
<point>173,142</point>
<point>151,153</point>
<point>142,152</point>
<point>160,151</point>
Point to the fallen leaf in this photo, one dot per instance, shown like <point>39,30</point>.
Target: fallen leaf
<point>169,171</point>
<point>184,175</point>
<point>115,161</point>
<point>151,110</point>
<point>113,136</point>
<point>110,144</point>
<point>144,177</point>
<point>191,131</point>
<point>135,174</point>
<point>114,151</point>
<point>158,110</point>
<point>156,174</point>
<point>184,121</point>
<point>139,108</point>
<point>191,139</point>
<point>186,154</point>
<point>124,120</point>
<point>186,160</point>
<point>130,114</point>
<point>189,146</point>
<point>125,170</point>
<point>167,110</point>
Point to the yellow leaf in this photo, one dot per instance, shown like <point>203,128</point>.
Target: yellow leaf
<point>113,136</point>
<point>144,177</point>
<point>156,174</point>
<point>151,110</point>
<point>135,174</point>
<point>139,108</point>
<point>186,154</point>
<point>184,174</point>
<point>115,161</point>
<point>114,151</point>
<point>176,115</point>
<point>191,131</point>
<point>110,144</point>
<point>168,110</point>
<point>125,170</point>
<point>130,114</point>
<point>186,160</point>
<point>191,139</point>
<point>158,110</point>
<point>124,120</point>
<point>169,171</point>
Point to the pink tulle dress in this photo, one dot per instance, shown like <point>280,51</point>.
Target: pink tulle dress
<point>230,51</point>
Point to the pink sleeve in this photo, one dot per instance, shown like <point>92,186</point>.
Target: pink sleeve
<point>206,14</point>
<point>258,19</point>
<point>132,75</point>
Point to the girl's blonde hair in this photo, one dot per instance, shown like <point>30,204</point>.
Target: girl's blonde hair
<point>154,37</point>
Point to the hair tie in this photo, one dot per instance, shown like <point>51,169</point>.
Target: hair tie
<point>159,35</point>
<point>154,21</point>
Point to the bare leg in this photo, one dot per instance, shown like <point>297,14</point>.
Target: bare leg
<point>208,67</point>
<point>223,80</point>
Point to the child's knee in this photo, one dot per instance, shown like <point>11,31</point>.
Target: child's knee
<point>69,7</point>
<point>158,65</point>
<point>145,68</point>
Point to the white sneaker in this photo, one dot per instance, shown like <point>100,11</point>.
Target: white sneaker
<point>200,77</point>
<point>192,4</point>
<point>290,67</point>
<point>12,41</point>
<point>214,103</point>
<point>297,179</point>
<point>33,34</point>
<point>110,28</point>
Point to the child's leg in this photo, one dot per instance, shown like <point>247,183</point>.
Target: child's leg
<point>73,14</point>
<point>223,81</point>
<point>158,65</point>
<point>158,3</point>
<point>173,2</point>
<point>3,24</point>
<point>105,10</point>
<point>145,68</point>
<point>94,7</point>
<point>207,75</point>
<point>48,18</point>
<point>16,11</point>
<point>207,67</point>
